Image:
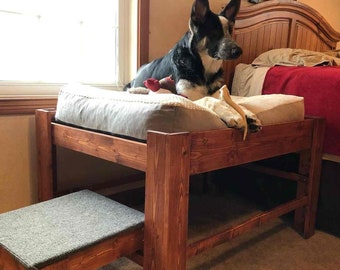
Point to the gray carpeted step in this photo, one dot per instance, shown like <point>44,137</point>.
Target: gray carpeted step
<point>46,232</point>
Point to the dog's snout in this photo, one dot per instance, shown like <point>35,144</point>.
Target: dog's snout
<point>235,52</point>
<point>228,50</point>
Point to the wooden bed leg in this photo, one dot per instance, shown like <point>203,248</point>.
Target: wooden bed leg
<point>299,215</point>
<point>46,154</point>
<point>166,201</point>
<point>310,164</point>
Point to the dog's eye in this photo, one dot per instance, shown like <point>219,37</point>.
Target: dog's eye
<point>215,35</point>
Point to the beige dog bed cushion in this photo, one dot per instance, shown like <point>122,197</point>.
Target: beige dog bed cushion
<point>132,115</point>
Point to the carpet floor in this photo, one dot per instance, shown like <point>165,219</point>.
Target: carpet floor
<point>273,246</point>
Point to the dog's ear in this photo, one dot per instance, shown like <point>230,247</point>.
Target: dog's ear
<point>231,10</point>
<point>199,11</point>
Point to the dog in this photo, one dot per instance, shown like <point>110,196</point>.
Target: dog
<point>195,62</point>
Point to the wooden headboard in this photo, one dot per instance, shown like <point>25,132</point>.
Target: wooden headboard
<point>279,24</point>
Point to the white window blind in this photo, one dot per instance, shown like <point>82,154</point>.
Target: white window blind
<point>64,41</point>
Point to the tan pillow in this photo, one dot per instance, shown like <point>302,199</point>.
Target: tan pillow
<point>294,57</point>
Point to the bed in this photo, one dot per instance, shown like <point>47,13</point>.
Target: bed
<point>290,55</point>
<point>295,54</point>
<point>169,158</point>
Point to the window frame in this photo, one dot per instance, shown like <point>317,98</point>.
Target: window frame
<point>28,104</point>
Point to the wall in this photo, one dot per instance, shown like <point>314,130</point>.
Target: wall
<point>168,22</point>
<point>18,165</point>
<point>17,162</point>
<point>329,9</point>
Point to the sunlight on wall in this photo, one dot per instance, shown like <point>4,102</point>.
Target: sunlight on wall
<point>329,9</point>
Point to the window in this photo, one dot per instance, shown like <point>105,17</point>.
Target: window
<point>47,43</point>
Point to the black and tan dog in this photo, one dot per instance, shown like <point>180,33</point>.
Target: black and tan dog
<point>195,62</point>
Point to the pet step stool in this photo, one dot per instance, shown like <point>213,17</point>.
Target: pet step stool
<point>81,230</point>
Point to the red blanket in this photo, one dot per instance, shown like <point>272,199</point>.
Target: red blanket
<point>320,87</point>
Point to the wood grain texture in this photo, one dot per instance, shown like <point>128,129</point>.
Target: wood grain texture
<point>122,151</point>
<point>8,262</point>
<point>25,105</point>
<point>89,258</point>
<point>314,174</point>
<point>45,154</point>
<point>253,222</point>
<point>166,201</point>
<point>143,32</point>
<point>102,253</point>
<point>225,148</point>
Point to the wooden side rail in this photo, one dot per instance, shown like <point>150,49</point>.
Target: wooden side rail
<point>253,222</point>
<point>275,172</point>
<point>217,149</point>
<point>118,150</point>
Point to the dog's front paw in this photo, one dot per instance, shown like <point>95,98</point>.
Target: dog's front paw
<point>254,124</point>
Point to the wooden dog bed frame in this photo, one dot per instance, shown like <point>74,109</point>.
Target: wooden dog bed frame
<point>170,159</point>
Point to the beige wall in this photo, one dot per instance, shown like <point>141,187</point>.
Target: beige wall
<point>329,9</point>
<point>169,22</point>
<point>18,165</point>
<point>17,162</point>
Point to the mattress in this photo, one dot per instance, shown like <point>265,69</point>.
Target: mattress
<point>132,115</point>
